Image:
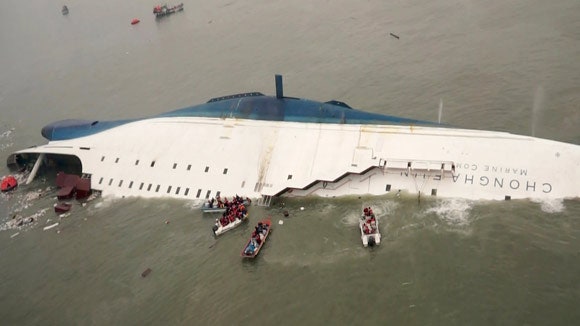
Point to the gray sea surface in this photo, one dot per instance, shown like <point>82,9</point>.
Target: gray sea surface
<point>496,65</point>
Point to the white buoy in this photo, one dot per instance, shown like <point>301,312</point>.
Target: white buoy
<point>302,208</point>
<point>280,222</point>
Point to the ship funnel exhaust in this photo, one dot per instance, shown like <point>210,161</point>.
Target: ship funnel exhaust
<point>279,87</point>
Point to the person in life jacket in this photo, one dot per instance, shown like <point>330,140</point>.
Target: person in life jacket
<point>366,229</point>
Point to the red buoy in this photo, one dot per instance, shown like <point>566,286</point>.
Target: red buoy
<point>135,21</point>
<point>8,183</point>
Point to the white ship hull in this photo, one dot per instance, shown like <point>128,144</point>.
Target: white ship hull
<point>256,158</point>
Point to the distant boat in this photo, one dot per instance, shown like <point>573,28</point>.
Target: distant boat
<point>64,10</point>
<point>135,21</point>
<point>165,10</point>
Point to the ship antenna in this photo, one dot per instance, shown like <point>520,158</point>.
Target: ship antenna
<point>279,87</point>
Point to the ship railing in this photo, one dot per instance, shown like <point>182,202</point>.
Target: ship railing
<point>446,168</point>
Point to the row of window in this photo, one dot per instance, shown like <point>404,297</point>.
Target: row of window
<point>149,187</point>
<point>225,171</point>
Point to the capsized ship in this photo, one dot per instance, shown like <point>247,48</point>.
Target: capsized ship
<point>261,147</point>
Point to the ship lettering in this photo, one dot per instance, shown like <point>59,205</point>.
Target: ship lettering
<point>456,176</point>
<point>547,188</point>
<point>484,181</point>
<point>468,179</point>
<point>467,166</point>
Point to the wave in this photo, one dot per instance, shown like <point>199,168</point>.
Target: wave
<point>454,212</point>
<point>551,205</point>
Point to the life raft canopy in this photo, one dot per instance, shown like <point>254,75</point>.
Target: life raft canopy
<point>8,183</point>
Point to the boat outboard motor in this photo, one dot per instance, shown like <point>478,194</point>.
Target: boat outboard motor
<point>371,241</point>
<point>214,228</point>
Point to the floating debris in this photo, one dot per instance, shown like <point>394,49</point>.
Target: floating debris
<point>146,272</point>
<point>18,221</point>
<point>15,234</point>
<point>50,226</point>
<point>395,36</point>
<point>62,207</point>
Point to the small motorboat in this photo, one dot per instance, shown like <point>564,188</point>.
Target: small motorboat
<point>258,238</point>
<point>8,183</point>
<point>219,228</point>
<point>135,21</point>
<point>206,208</point>
<point>213,206</point>
<point>369,228</point>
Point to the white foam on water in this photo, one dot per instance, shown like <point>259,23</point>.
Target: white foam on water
<point>325,209</point>
<point>36,216</point>
<point>351,218</point>
<point>20,201</point>
<point>194,204</point>
<point>453,211</point>
<point>106,202</point>
<point>6,135</point>
<point>551,205</point>
<point>4,146</point>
